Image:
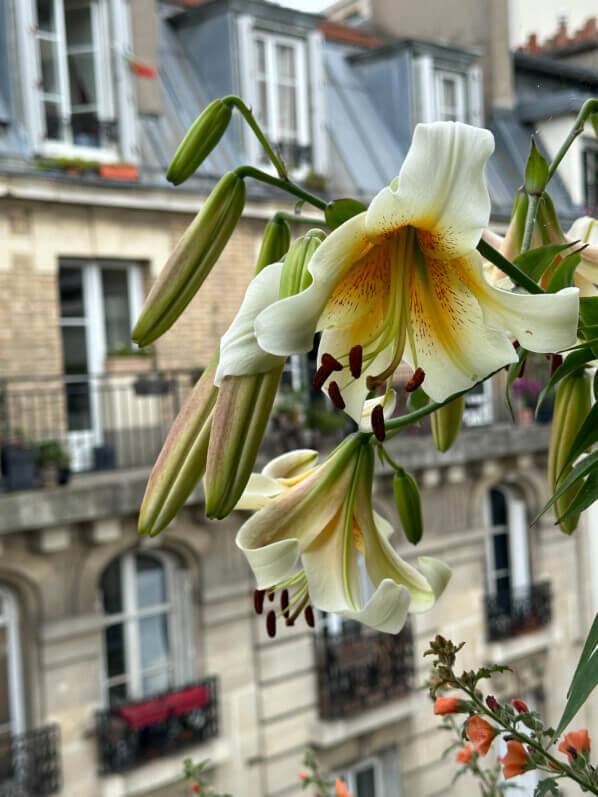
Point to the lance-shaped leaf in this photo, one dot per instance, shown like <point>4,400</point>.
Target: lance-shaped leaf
<point>535,262</point>
<point>584,680</point>
<point>584,439</point>
<point>572,362</point>
<point>579,471</point>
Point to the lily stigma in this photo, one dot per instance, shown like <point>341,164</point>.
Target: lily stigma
<point>403,280</point>
<point>321,515</point>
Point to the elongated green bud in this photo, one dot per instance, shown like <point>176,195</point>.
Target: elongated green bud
<point>201,138</point>
<point>571,406</point>
<point>446,423</point>
<point>536,171</point>
<point>275,243</point>
<point>245,402</point>
<point>548,222</point>
<point>408,505</point>
<point>511,247</point>
<point>182,460</point>
<point>192,260</point>
<point>240,419</point>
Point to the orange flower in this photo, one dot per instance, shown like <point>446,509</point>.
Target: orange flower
<point>520,706</point>
<point>577,741</point>
<point>448,705</point>
<point>341,788</point>
<point>302,776</point>
<point>481,733</point>
<point>515,762</point>
<point>464,755</point>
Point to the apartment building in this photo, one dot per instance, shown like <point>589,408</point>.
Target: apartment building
<point>121,655</point>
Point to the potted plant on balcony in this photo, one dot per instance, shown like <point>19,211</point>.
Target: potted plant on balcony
<point>153,384</point>
<point>18,461</point>
<point>128,360</point>
<point>53,463</point>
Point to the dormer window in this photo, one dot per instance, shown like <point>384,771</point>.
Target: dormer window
<point>445,89</point>
<point>281,96</point>
<point>450,96</point>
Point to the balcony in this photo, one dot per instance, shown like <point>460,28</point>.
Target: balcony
<point>359,669</point>
<point>133,734</point>
<point>30,763</point>
<point>517,613</point>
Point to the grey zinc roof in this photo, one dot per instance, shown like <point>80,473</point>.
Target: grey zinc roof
<point>552,104</point>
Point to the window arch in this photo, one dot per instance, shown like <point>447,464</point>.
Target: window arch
<point>148,643</point>
<point>12,714</point>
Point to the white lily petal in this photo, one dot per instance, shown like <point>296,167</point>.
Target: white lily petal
<point>542,323</point>
<point>440,188</point>
<point>386,610</point>
<point>288,326</point>
<point>239,350</point>
<point>272,563</point>
<point>437,573</point>
<point>259,491</point>
<point>291,464</point>
<point>384,527</point>
<point>584,229</point>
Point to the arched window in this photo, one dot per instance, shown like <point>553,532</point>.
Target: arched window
<point>12,717</point>
<point>148,635</point>
<point>508,570</point>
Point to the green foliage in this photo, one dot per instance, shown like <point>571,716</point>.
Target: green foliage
<point>546,787</point>
<point>535,262</point>
<point>341,210</point>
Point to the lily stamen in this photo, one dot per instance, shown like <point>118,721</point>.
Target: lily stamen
<point>258,600</point>
<point>378,426</point>
<point>356,361</point>
<point>416,380</point>
<point>335,396</point>
<point>271,623</point>
<point>309,616</point>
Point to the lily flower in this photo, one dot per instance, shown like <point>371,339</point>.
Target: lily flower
<point>585,230</point>
<point>404,280</point>
<point>322,515</point>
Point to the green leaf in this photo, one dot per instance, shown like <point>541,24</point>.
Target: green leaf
<point>341,210</point>
<point>416,400</point>
<point>585,437</point>
<point>584,498</point>
<point>564,273</point>
<point>547,786</point>
<point>518,276</point>
<point>588,310</point>
<point>583,685</point>
<point>570,364</point>
<point>580,471</point>
<point>588,649</point>
<point>535,262</point>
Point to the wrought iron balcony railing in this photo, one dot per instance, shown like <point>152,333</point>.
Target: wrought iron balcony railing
<point>359,669</point>
<point>519,612</point>
<point>30,763</point>
<point>131,734</point>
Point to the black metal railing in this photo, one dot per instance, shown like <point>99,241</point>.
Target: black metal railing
<point>30,763</point>
<point>359,669</point>
<point>519,612</point>
<point>131,734</point>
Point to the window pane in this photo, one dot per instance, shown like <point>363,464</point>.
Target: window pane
<point>78,406</point>
<point>151,584</point>
<point>153,641</point>
<point>53,119</point>
<point>116,308</point>
<point>287,112</point>
<point>118,694</point>
<point>78,26</point>
<point>86,129</point>
<point>285,61</point>
<point>498,508</point>
<point>501,551</point>
<point>260,56</point>
<point>155,683</point>
<point>70,285</point>
<point>74,348</point>
<point>115,650</point>
<point>366,783</point>
<point>111,589</point>
<point>449,94</point>
<point>4,684</point>
<point>49,65</point>
<point>82,80</point>
<point>45,15</point>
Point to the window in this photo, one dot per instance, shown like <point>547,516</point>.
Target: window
<point>507,548</point>
<point>478,405</point>
<point>281,96</point>
<point>450,96</point>
<point>147,636</point>
<point>75,72</point>
<point>590,178</point>
<point>364,779</point>
<point>11,692</point>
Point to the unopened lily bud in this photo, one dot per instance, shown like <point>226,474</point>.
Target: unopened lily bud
<point>408,505</point>
<point>201,138</point>
<point>511,246</point>
<point>182,460</point>
<point>594,122</point>
<point>547,222</point>
<point>295,276</point>
<point>536,171</point>
<point>571,406</point>
<point>446,423</point>
<point>240,419</point>
<point>192,260</point>
<point>275,243</point>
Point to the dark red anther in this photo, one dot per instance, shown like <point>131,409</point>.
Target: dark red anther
<point>557,361</point>
<point>516,344</point>
<point>509,737</point>
<point>271,623</point>
<point>572,751</point>
<point>258,600</point>
<point>416,380</point>
<point>330,362</point>
<point>270,595</point>
<point>522,369</point>
<point>378,427</point>
<point>530,749</point>
<point>335,396</point>
<point>355,361</point>
<point>320,377</point>
<point>309,616</point>
<point>284,602</point>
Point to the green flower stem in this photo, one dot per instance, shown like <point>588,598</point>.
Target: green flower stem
<point>530,222</point>
<point>523,738</point>
<point>296,218</point>
<point>518,276</point>
<point>285,184</point>
<point>278,162</point>
<point>589,107</point>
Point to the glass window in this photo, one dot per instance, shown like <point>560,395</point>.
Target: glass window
<point>590,174</point>
<point>117,319</point>
<point>11,700</point>
<point>450,97</point>
<point>363,779</point>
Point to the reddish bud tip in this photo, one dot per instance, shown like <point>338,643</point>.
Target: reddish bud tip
<point>492,703</point>
<point>330,362</point>
<point>195,787</point>
<point>284,602</point>
<point>520,706</point>
<point>378,427</point>
<point>309,616</point>
<point>258,600</point>
<point>335,396</point>
<point>271,623</point>
<point>355,361</point>
<point>416,380</point>
<point>508,737</point>
<point>557,361</point>
<point>522,369</point>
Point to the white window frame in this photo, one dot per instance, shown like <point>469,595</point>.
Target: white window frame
<point>458,80</point>
<point>110,65</point>
<point>349,775</point>
<point>9,619</point>
<point>271,126</point>
<point>177,610</point>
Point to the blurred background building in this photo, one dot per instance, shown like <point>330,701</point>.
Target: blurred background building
<point>118,655</point>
